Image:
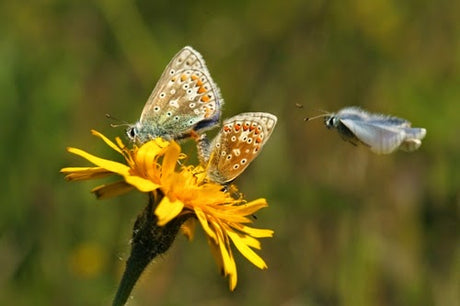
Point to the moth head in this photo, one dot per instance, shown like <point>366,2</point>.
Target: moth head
<point>331,121</point>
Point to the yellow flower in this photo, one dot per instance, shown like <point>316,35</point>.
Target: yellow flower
<point>186,191</point>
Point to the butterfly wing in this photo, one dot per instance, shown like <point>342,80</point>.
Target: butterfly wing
<point>238,143</point>
<point>185,97</point>
<point>381,139</point>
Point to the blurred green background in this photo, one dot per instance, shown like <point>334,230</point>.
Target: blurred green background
<point>351,227</point>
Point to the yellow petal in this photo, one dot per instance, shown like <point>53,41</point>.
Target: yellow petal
<point>146,157</point>
<point>111,190</point>
<point>84,173</point>
<point>161,142</point>
<point>215,251</point>
<point>228,261</point>
<point>109,165</point>
<point>188,228</point>
<point>120,143</point>
<point>107,141</point>
<point>246,251</point>
<point>228,214</point>
<point>170,158</point>
<point>254,232</point>
<point>126,153</point>
<point>250,241</point>
<point>140,183</point>
<point>168,210</point>
<point>204,223</point>
<point>251,207</point>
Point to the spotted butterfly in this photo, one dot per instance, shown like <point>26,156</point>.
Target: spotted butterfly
<point>236,145</point>
<point>184,101</point>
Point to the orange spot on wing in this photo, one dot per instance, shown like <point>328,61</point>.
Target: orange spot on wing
<point>205,99</point>
<point>227,129</point>
<point>237,127</point>
<point>246,127</point>
<point>258,140</point>
<point>194,77</point>
<point>201,89</point>
<point>208,113</point>
<point>199,83</point>
<point>183,77</point>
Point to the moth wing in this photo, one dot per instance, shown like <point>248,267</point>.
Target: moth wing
<point>380,138</point>
<point>417,133</point>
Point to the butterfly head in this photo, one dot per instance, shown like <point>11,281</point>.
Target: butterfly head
<point>132,131</point>
<point>139,133</point>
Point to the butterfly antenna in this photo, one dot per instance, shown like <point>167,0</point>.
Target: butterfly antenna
<point>120,122</point>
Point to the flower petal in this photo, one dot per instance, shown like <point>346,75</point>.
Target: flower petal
<point>146,158</point>
<point>246,251</point>
<point>254,232</point>
<point>84,173</point>
<point>109,165</point>
<point>168,210</point>
<point>251,241</point>
<point>215,251</point>
<point>111,190</point>
<point>188,228</point>
<point>227,259</point>
<point>171,155</point>
<point>142,184</point>
<point>204,223</point>
<point>107,141</point>
<point>251,207</point>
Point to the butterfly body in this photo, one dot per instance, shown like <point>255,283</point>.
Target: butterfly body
<point>381,133</point>
<point>237,144</point>
<point>184,101</point>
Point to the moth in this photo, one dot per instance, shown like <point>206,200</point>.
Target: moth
<point>383,134</point>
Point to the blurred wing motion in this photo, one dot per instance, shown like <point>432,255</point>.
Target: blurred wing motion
<point>383,134</point>
<point>185,99</point>
<point>238,143</point>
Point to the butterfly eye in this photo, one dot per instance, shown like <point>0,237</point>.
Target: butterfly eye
<point>131,132</point>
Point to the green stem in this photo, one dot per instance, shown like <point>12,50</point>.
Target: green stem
<point>149,240</point>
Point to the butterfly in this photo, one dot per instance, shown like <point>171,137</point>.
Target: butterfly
<point>236,145</point>
<point>381,133</point>
<point>185,101</point>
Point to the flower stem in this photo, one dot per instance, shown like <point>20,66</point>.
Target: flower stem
<point>148,241</point>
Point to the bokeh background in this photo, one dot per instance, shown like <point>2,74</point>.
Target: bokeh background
<point>351,227</point>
